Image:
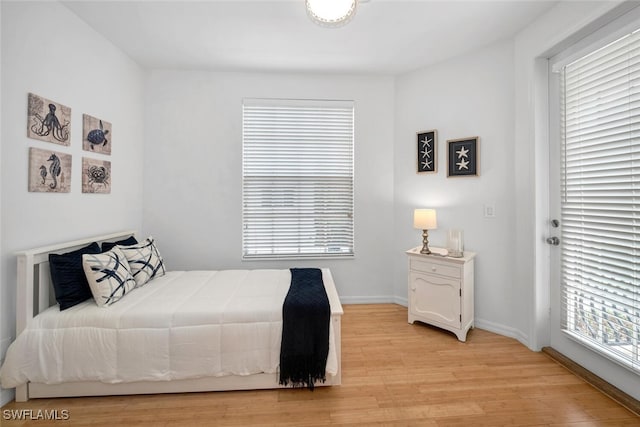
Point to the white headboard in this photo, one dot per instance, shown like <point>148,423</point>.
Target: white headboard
<point>35,292</point>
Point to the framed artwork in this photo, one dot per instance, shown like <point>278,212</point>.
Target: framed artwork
<point>96,176</point>
<point>427,142</point>
<point>463,157</point>
<point>96,135</point>
<point>48,120</point>
<point>49,171</point>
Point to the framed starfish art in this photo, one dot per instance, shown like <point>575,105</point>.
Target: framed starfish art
<point>463,157</point>
<point>427,146</point>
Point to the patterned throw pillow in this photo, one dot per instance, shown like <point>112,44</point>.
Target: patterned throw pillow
<point>108,276</point>
<point>144,260</point>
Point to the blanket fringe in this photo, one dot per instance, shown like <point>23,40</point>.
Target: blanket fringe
<point>301,375</point>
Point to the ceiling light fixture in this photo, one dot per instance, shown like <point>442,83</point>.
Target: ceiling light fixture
<point>331,13</point>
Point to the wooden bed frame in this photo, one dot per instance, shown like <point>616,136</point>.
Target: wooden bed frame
<point>35,294</point>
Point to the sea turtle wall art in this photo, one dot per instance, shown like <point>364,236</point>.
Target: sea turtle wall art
<point>48,120</point>
<point>96,176</point>
<point>96,135</point>
<point>49,171</point>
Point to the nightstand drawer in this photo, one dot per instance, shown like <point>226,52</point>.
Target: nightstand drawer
<point>434,268</point>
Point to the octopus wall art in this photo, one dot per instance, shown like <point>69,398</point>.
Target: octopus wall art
<point>49,171</point>
<point>48,120</point>
<point>96,135</point>
<point>96,176</point>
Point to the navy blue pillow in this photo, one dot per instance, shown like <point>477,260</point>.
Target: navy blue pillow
<point>68,278</point>
<point>107,246</point>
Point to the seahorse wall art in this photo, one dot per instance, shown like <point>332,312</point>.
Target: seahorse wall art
<point>96,176</point>
<point>49,171</point>
<point>96,135</point>
<point>48,120</point>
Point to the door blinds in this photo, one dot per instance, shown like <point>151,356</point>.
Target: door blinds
<point>601,200</point>
<point>297,178</point>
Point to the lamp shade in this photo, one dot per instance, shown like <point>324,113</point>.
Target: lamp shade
<point>425,219</point>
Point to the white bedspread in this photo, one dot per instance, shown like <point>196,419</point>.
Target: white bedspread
<point>179,326</point>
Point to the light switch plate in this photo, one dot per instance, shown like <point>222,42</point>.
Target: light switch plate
<point>489,210</point>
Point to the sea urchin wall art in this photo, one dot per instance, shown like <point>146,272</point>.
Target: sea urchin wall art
<point>48,120</point>
<point>49,171</point>
<point>96,135</point>
<point>96,176</point>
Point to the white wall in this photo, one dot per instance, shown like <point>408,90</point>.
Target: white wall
<point>47,50</point>
<point>193,171</point>
<point>554,31</point>
<point>190,168</point>
<point>471,95</point>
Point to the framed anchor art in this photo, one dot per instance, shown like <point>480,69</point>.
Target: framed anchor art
<point>463,157</point>
<point>427,151</point>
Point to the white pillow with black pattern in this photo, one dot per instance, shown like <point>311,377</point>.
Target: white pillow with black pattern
<point>145,261</point>
<point>108,275</point>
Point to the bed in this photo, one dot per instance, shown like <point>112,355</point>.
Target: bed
<point>186,331</point>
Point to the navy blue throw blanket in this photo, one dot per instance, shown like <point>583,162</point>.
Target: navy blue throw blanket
<point>305,329</point>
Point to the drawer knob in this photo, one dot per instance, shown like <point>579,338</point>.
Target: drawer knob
<point>433,269</point>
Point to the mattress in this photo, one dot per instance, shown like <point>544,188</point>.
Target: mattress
<point>179,326</point>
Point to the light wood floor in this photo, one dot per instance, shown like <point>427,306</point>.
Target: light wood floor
<point>393,374</point>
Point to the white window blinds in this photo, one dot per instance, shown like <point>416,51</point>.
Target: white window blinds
<point>601,200</point>
<point>297,178</point>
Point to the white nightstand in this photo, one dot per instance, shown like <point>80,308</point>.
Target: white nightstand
<point>441,291</point>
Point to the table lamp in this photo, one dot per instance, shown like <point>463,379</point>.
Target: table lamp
<point>425,220</point>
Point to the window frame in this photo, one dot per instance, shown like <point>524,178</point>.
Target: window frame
<point>341,181</point>
<point>586,47</point>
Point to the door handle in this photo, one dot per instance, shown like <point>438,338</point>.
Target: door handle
<point>553,241</point>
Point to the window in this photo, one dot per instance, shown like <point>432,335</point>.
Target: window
<point>297,188</point>
<point>601,200</point>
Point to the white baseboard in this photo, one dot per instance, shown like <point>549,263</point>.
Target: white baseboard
<point>6,395</point>
<point>499,329</point>
<point>385,299</point>
<point>367,300</point>
<point>401,301</point>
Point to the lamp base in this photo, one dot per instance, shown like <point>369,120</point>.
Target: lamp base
<point>425,243</point>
